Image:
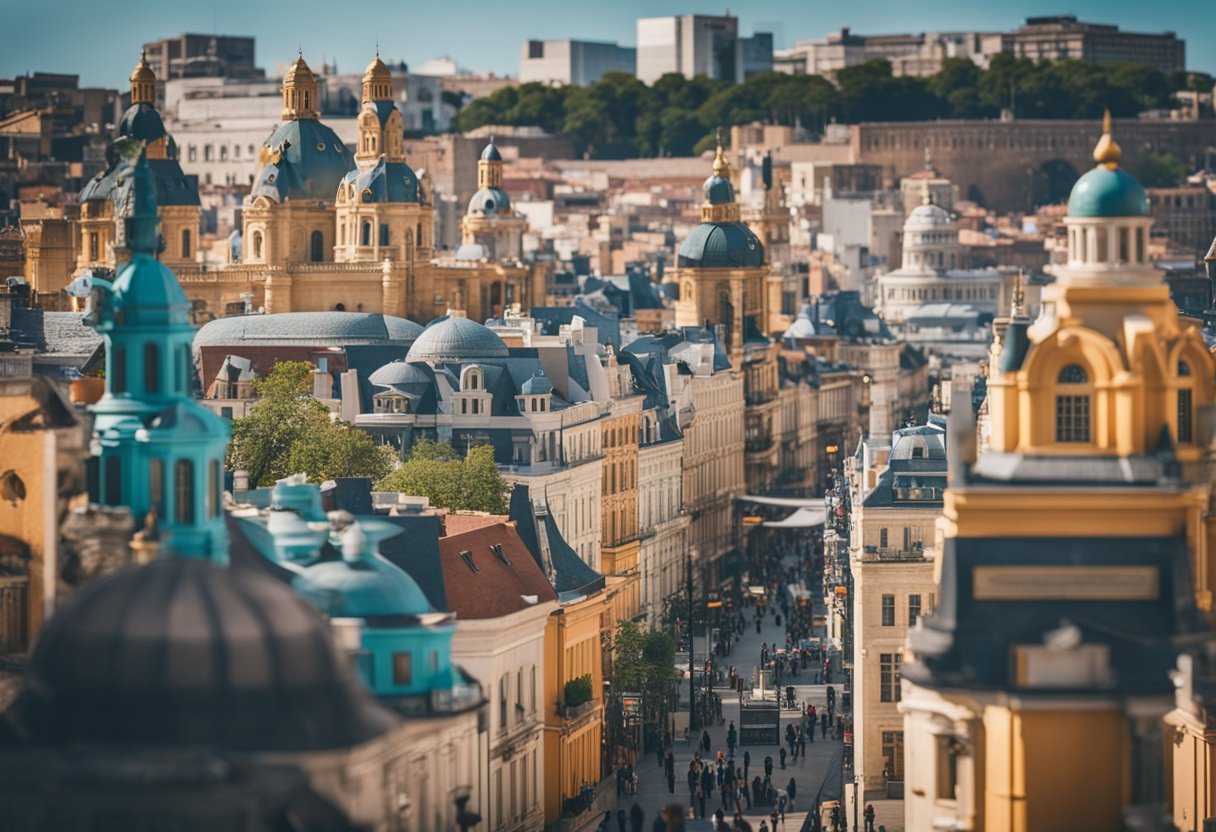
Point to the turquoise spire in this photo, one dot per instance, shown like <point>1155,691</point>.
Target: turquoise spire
<point>159,451</point>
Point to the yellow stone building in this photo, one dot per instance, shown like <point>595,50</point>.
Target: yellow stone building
<point>620,544</point>
<point>1073,553</point>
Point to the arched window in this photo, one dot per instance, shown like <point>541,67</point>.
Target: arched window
<point>257,245</point>
<point>151,367</point>
<point>183,492</point>
<point>383,234</point>
<point>418,235</point>
<point>317,247</point>
<point>118,366</point>
<point>366,239</point>
<point>185,243</point>
<point>1073,405</point>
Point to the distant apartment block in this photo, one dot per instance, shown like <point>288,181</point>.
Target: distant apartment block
<point>694,44</point>
<point>202,56</point>
<point>1063,36</point>
<point>1041,38</point>
<point>909,54</point>
<point>575,63</point>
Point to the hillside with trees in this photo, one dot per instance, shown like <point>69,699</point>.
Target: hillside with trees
<point>620,117</point>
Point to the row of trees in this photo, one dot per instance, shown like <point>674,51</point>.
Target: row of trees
<point>289,432</point>
<point>620,117</point>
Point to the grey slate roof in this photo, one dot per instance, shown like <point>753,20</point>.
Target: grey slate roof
<point>307,328</point>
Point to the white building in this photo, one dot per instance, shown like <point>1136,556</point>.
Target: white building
<point>574,63</point>
<point>694,44</point>
<point>909,54</point>
<point>662,523</point>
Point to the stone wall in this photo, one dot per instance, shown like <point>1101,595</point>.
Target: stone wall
<point>1016,165</point>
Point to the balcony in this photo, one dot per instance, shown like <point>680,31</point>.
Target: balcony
<point>919,494</point>
<point>575,711</point>
<point>913,552</point>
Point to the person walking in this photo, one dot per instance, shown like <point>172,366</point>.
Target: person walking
<point>732,737</point>
<point>783,757</point>
<point>705,741</point>
<point>802,742</point>
<point>747,761</point>
<point>869,816</point>
<point>791,789</point>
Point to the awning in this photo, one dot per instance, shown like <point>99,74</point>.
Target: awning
<point>787,502</point>
<point>800,519</point>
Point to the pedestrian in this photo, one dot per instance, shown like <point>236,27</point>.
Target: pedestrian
<point>763,826</point>
<point>768,765</point>
<point>637,818</point>
<point>692,779</point>
<point>671,782</point>
<point>701,803</point>
<point>705,741</point>
<point>802,742</point>
<point>747,761</point>
<point>783,756</point>
<point>780,808</point>
<point>869,815</point>
<point>772,816</point>
<point>620,820</point>
<point>791,789</point>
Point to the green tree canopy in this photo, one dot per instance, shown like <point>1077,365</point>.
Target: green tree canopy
<point>436,471</point>
<point>643,662</point>
<point>289,432</point>
<point>1161,170</point>
<point>619,116</point>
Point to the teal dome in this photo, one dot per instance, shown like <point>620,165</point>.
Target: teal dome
<point>489,202</point>
<point>363,584</point>
<point>141,121</point>
<point>1107,192</point>
<point>718,190</point>
<point>490,153</point>
<point>721,245</point>
<point>145,282</point>
<point>312,162</point>
<point>385,182</point>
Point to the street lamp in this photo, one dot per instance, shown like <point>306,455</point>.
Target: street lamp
<point>464,818</point>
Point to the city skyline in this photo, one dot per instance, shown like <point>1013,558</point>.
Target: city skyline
<point>496,48</point>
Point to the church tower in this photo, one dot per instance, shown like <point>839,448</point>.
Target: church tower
<point>490,221</point>
<point>382,210</point>
<point>159,452</point>
<point>1074,550</point>
<point>300,90</point>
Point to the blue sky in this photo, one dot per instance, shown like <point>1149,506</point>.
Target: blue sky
<point>101,44</point>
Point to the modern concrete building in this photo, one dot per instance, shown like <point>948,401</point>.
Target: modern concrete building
<point>694,44</point>
<point>202,56</point>
<point>574,63</point>
<point>918,54</point>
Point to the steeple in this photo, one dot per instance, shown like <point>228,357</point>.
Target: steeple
<point>720,205</point>
<point>299,91</point>
<point>1107,152</point>
<point>489,167</point>
<point>377,81</point>
<point>143,82</point>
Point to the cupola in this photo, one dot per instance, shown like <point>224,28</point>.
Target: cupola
<point>377,81</point>
<point>143,82</point>
<point>299,91</point>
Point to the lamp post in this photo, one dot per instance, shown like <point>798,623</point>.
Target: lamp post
<point>464,818</point>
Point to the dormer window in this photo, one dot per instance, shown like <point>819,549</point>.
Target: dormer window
<point>471,379</point>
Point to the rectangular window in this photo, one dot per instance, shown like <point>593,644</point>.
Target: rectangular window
<point>893,755</point>
<point>1184,416</point>
<point>156,484</point>
<point>1072,419</point>
<point>888,677</point>
<point>183,492</point>
<point>947,769</point>
<point>403,668</point>
<point>882,538</point>
<point>214,488</point>
<point>888,610</point>
<point>913,609</point>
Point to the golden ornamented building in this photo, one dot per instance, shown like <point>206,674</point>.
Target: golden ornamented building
<point>1074,551</point>
<point>724,281</point>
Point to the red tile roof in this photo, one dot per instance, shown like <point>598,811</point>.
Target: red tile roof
<point>496,588</point>
<point>459,523</point>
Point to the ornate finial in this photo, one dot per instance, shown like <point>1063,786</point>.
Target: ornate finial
<point>1018,304</point>
<point>721,166</point>
<point>1107,152</point>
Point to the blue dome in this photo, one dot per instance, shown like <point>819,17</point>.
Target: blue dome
<point>491,154</point>
<point>307,328</point>
<point>141,121</point>
<point>312,162</point>
<point>718,190</point>
<point>456,339</point>
<point>721,245</point>
<point>385,182</point>
<point>363,584</point>
<point>1107,192</point>
<point>490,201</point>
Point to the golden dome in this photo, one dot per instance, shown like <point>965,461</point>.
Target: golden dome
<point>377,71</point>
<point>298,73</point>
<point>143,72</point>
<point>1107,152</point>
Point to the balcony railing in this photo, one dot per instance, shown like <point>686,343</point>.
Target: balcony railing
<point>575,711</point>
<point>918,494</point>
<point>915,551</point>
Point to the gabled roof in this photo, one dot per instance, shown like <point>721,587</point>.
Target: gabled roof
<point>488,571</point>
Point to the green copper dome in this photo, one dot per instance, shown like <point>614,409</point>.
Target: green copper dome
<point>1107,192</point>
<point>721,245</point>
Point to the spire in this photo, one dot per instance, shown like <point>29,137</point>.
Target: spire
<point>721,165</point>
<point>1017,307</point>
<point>143,81</point>
<point>1107,151</point>
<point>139,212</point>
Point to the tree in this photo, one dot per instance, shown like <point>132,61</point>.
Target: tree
<point>289,432</point>
<point>644,662</point>
<point>283,415</point>
<point>1161,170</point>
<point>339,449</point>
<point>436,471</point>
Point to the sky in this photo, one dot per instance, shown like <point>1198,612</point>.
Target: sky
<point>100,39</point>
